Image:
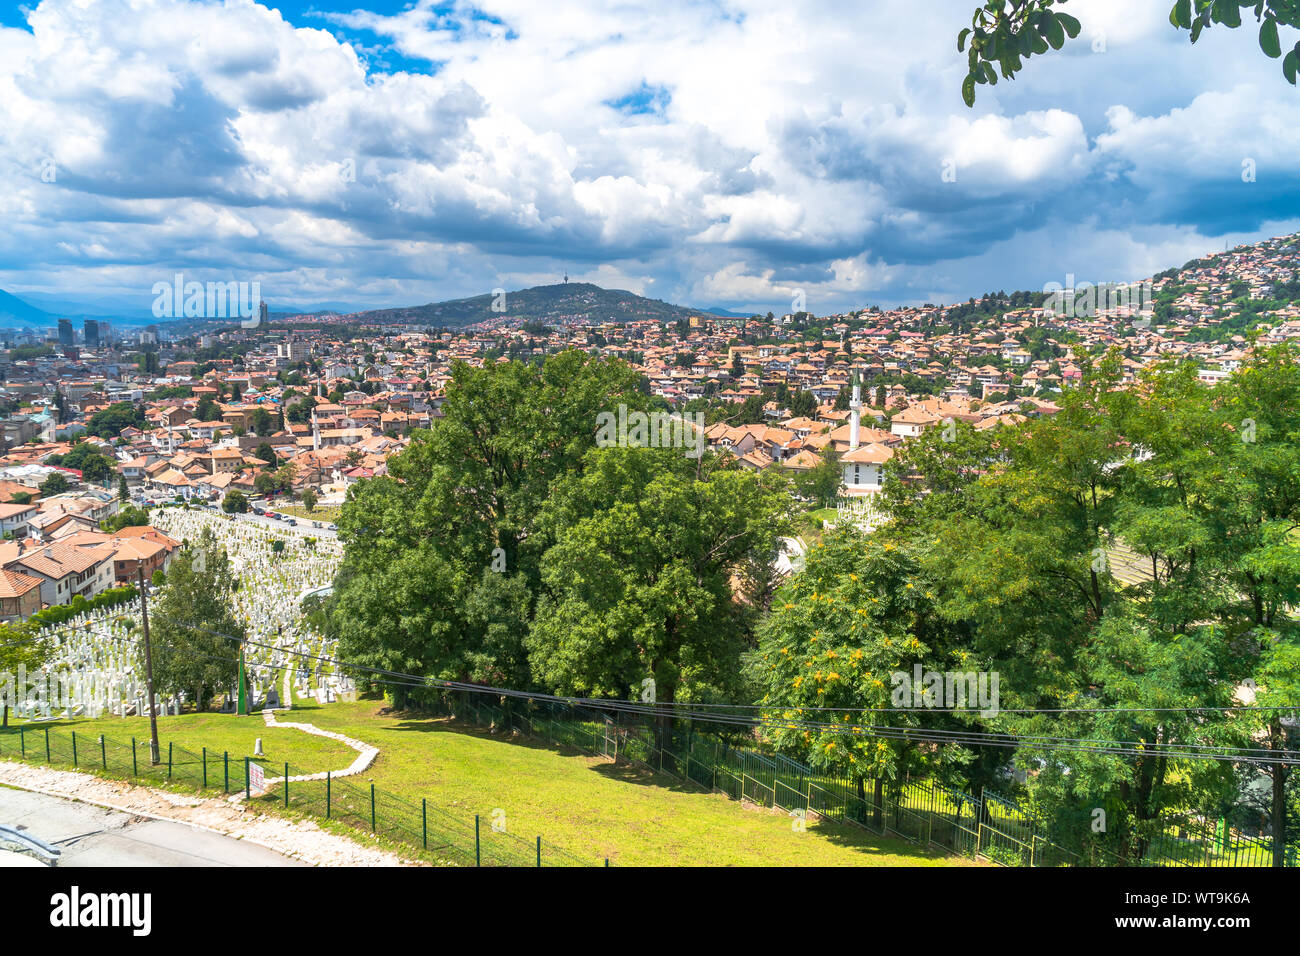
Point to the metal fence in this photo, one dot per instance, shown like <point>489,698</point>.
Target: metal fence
<point>419,829</point>
<point>923,811</point>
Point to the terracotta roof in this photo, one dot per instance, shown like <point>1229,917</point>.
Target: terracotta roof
<point>16,584</point>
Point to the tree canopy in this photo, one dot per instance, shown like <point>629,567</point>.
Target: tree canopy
<point>1005,33</point>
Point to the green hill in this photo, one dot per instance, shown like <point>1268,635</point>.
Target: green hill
<point>563,303</point>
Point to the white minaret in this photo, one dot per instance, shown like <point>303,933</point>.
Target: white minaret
<point>855,414</point>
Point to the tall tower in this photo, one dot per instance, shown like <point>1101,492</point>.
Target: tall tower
<point>855,414</point>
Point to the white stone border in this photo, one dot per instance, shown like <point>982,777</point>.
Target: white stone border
<point>366,753</point>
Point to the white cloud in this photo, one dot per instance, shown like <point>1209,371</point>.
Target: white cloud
<point>797,145</point>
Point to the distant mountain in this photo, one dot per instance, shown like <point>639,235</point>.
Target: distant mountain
<point>89,306</point>
<point>15,312</point>
<point>567,302</point>
<point>727,313</point>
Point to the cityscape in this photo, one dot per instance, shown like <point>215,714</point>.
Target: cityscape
<point>451,435</point>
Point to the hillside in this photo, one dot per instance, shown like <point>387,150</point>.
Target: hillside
<point>15,312</point>
<point>562,303</point>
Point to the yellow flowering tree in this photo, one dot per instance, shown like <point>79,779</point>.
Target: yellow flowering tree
<point>842,637</point>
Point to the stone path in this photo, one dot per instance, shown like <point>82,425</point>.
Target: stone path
<point>366,754</point>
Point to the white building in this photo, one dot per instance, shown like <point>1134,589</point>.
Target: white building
<point>863,466</point>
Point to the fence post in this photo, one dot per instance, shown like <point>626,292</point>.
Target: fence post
<point>539,851</point>
<point>328,788</point>
<point>205,768</point>
<point>74,748</point>
<point>22,740</point>
<point>135,766</point>
<point>286,783</point>
<point>478,852</point>
<point>48,758</point>
<point>248,786</point>
<point>169,760</point>
<point>372,808</point>
<point>103,752</point>
<point>225,761</point>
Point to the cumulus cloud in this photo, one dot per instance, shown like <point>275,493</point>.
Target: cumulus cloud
<point>716,154</point>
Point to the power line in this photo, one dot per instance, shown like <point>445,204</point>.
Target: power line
<point>764,717</point>
<point>961,737</point>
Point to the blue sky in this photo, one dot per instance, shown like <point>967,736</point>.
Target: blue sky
<point>726,154</point>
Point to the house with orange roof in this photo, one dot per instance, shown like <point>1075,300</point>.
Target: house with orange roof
<point>20,595</point>
<point>65,571</point>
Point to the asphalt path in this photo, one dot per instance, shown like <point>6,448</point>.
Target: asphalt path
<point>92,836</point>
<point>305,525</point>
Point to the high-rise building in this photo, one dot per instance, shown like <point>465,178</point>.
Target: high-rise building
<point>90,332</point>
<point>67,337</point>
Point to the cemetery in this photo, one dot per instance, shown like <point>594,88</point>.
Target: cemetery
<point>96,666</point>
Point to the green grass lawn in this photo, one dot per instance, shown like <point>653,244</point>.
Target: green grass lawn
<point>822,514</point>
<point>325,514</point>
<point>588,806</point>
<point>218,732</point>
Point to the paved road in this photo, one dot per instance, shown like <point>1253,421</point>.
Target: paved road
<point>90,836</point>
<point>304,524</point>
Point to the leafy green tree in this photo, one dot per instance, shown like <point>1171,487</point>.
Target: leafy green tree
<point>267,454</point>
<point>823,481</point>
<point>309,500</point>
<point>109,422</point>
<point>56,483</point>
<point>847,632</point>
<point>638,583</point>
<point>129,516</point>
<point>21,646</point>
<point>193,626</point>
<point>234,502</point>
<point>1004,33</point>
<point>97,468</point>
<point>299,413</point>
<point>264,423</point>
<point>465,496</point>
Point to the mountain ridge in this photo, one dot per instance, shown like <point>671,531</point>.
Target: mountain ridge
<point>563,302</point>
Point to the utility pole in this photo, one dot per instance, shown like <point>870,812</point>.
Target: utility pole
<point>154,750</point>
